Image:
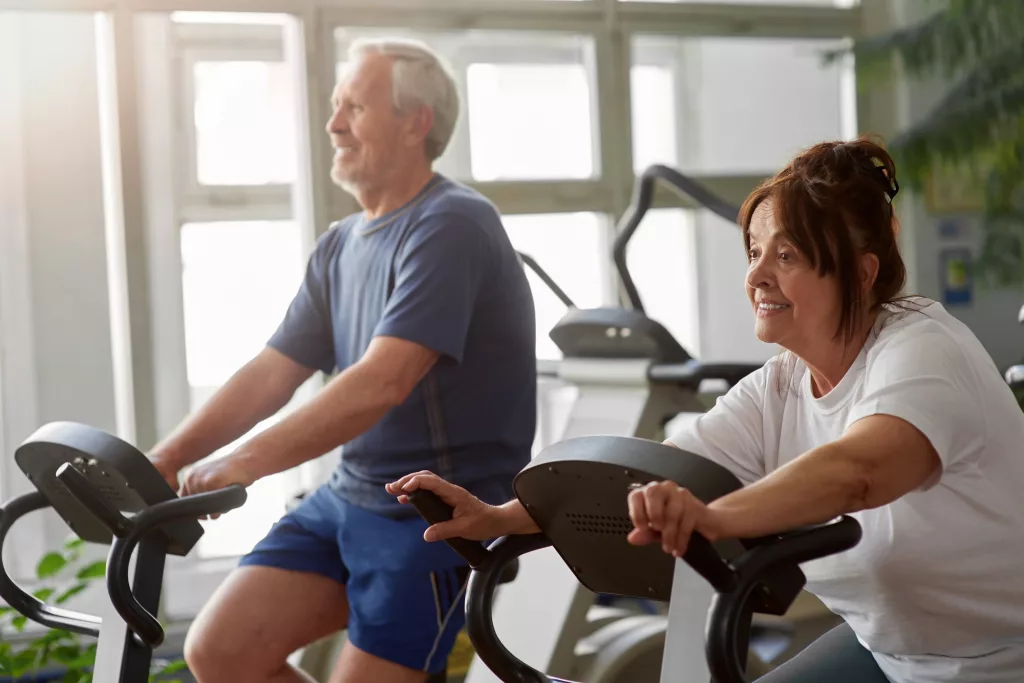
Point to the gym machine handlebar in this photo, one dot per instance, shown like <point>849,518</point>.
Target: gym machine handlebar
<point>25,603</point>
<point>532,264</point>
<point>736,584</point>
<point>643,198</point>
<point>127,533</point>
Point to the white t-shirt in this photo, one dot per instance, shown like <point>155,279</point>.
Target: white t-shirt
<point>935,588</point>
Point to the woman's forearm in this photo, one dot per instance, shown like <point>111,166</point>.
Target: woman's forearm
<point>812,489</point>
<point>514,519</point>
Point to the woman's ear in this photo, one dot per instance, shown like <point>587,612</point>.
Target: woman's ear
<point>868,273</point>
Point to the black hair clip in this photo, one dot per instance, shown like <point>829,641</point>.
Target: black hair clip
<point>892,186</point>
<point>893,189</point>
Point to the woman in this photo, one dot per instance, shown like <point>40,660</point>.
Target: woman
<point>881,407</point>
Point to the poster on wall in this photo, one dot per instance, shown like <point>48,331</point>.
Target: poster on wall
<point>957,285</point>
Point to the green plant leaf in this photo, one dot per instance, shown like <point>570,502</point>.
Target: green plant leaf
<point>164,667</point>
<point>70,593</point>
<point>19,622</point>
<point>77,659</point>
<point>96,570</point>
<point>43,594</point>
<point>76,677</point>
<point>23,662</point>
<point>946,41</point>
<point>73,543</point>
<point>67,653</point>
<point>50,565</point>
<point>173,666</point>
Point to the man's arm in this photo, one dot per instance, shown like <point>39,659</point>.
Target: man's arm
<point>351,404</point>
<point>256,391</point>
<point>879,459</point>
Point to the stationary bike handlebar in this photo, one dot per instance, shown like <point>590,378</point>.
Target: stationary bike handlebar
<point>25,603</point>
<point>734,583</point>
<point>127,534</point>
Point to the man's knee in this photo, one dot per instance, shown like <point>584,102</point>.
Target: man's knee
<point>257,618</point>
<point>200,654</point>
<point>210,652</point>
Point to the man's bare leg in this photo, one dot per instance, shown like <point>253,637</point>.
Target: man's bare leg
<point>356,666</point>
<point>257,619</point>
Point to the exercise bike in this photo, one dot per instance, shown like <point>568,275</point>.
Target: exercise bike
<point>91,478</point>
<point>576,493</point>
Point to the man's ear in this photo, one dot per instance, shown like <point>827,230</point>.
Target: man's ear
<point>421,122</point>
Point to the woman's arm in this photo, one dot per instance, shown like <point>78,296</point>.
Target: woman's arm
<point>879,459</point>
<point>471,517</point>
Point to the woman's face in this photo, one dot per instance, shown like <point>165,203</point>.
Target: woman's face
<point>794,306</point>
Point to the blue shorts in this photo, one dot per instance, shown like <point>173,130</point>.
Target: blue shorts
<point>406,596</point>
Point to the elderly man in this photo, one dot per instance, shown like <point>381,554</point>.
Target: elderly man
<point>421,305</point>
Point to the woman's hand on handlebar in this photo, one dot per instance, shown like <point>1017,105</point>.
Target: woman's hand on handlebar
<point>472,518</point>
<point>665,513</point>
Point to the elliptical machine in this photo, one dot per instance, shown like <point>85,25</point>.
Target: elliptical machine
<point>90,478</point>
<point>576,492</point>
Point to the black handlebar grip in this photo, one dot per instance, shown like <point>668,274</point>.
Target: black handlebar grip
<point>435,510</point>
<point>706,561</point>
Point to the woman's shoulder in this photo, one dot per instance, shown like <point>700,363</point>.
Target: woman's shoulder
<point>923,334</point>
<point>917,323</point>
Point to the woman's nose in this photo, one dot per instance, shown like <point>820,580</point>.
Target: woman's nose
<point>759,275</point>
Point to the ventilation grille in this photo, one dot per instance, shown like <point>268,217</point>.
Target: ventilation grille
<point>600,524</point>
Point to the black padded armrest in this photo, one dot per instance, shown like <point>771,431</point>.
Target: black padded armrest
<point>693,372</point>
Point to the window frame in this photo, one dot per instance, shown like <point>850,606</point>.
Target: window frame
<point>315,202</point>
<point>195,43</point>
<point>182,46</point>
<point>18,391</point>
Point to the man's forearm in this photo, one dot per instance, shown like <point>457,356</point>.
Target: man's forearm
<point>249,397</point>
<point>815,488</point>
<point>351,404</point>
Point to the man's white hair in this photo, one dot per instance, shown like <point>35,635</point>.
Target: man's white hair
<point>419,77</point>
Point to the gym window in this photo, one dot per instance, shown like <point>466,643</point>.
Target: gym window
<point>564,102</point>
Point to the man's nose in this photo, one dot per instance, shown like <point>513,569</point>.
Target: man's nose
<point>337,123</point>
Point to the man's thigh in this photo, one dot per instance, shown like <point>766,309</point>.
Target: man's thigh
<point>406,596</point>
<point>261,615</point>
<point>288,592</point>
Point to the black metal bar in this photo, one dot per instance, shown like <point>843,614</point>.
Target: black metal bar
<point>135,654</point>
<point>543,275</point>
<point>483,583</point>
<point>706,561</point>
<point>643,197</point>
<point>138,617</point>
<point>490,567</point>
<point>29,605</point>
<point>434,510</point>
<point>91,498</point>
<point>728,609</point>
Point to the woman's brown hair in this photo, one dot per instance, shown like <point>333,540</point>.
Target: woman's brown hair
<point>834,202</point>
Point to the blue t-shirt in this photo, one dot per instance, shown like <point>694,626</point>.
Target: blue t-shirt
<point>439,271</point>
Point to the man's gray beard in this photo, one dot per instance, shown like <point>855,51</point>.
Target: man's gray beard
<point>343,183</point>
